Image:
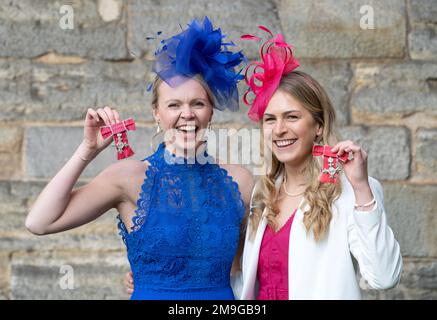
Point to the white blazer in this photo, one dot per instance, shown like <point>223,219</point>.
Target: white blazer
<point>326,270</point>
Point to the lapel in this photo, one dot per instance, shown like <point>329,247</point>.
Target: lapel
<point>295,233</point>
<point>253,249</point>
<point>251,261</point>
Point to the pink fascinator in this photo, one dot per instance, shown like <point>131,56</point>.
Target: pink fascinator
<point>277,60</point>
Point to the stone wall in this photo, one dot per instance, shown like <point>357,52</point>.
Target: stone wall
<point>383,82</point>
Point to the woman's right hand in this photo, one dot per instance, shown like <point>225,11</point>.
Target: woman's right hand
<point>92,139</point>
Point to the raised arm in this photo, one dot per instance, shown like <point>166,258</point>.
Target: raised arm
<point>372,243</point>
<point>371,240</point>
<point>58,207</point>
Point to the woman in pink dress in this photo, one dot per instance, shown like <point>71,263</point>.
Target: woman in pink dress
<point>308,221</point>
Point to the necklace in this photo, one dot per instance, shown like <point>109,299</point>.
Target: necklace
<point>290,194</point>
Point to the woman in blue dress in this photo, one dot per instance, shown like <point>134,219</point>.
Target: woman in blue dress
<point>180,211</point>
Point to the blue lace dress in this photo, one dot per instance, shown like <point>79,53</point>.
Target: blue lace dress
<point>185,231</point>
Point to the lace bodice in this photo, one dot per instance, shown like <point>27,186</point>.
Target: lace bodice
<point>186,227</point>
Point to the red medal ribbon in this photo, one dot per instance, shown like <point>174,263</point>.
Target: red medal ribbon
<point>330,169</point>
<point>118,131</point>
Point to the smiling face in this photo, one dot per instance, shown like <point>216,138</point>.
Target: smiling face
<point>289,128</point>
<point>183,113</point>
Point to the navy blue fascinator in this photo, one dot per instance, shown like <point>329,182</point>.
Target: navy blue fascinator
<point>200,49</point>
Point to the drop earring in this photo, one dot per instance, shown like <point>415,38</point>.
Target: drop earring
<point>158,131</point>
<point>207,131</point>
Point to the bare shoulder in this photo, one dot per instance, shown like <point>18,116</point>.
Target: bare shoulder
<point>238,172</point>
<point>124,173</point>
<point>243,177</point>
<point>130,166</point>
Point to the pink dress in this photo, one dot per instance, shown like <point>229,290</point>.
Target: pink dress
<point>273,263</point>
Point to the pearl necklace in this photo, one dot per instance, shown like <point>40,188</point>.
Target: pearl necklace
<point>290,194</point>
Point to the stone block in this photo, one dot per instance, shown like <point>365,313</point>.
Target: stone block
<point>331,29</point>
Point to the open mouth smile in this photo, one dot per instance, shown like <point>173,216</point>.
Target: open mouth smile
<point>284,143</point>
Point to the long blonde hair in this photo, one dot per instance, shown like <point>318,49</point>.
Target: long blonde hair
<point>319,196</point>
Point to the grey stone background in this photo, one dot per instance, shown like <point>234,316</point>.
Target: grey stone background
<point>382,81</point>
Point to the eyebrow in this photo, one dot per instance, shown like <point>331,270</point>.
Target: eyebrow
<point>192,100</point>
<point>284,113</point>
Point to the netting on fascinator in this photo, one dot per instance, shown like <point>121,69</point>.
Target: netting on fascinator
<point>277,60</point>
<point>200,49</point>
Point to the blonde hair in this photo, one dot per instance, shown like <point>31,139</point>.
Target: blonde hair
<point>319,196</point>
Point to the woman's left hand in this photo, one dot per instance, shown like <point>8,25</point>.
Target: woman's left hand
<point>355,169</point>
